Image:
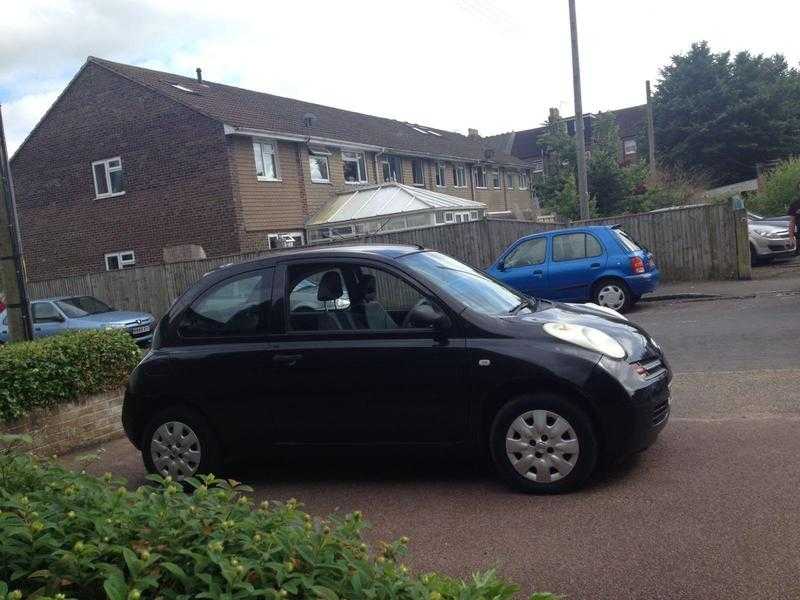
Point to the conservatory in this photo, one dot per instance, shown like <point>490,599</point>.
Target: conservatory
<point>389,207</point>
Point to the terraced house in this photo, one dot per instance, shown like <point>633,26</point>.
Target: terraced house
<point>131,166</point>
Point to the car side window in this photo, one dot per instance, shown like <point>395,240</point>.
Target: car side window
<point>238,306</point>
<point>531,252</point>
<point>45,312</point>
<point>327,297</point>
<point>572,246</point>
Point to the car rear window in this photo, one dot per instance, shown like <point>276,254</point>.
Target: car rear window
<point>627,241</point>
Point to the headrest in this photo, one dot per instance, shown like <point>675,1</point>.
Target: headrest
<point>367,285</point>
<point>330,287</point>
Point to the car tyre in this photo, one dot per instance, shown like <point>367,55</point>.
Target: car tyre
<point>543,444</point>
<point>179,442</point>
<point>614,288</point>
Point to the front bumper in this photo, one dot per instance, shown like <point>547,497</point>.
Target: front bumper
<point>773,248</point>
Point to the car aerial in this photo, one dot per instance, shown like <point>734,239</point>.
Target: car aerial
<point>52,316</point>
<point>599,264</point>
<point>425,352</point>
<point>769,238</point>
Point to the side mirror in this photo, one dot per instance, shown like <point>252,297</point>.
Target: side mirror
<point>425,316</point>
<point>501,266</point>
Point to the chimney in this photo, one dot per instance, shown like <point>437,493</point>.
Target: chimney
<point>473,133</point>
<point>199,75</point>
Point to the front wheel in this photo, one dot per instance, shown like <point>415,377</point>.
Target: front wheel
<point>612,293</point>
<point>178,442</point>
<point>543,444</point>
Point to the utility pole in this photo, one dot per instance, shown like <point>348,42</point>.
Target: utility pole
<point>651,136</point>
<point>12,273</point>
<point>580,141</point>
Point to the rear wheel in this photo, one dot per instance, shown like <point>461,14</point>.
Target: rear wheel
<point>543,443</point>
<point>613,293</point>
<point>178,442</point>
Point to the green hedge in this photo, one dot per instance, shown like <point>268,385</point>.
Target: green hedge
<point>61,368</point>
<point>67,535</point>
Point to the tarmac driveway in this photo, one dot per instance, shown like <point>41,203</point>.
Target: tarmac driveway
<point>712,510</point>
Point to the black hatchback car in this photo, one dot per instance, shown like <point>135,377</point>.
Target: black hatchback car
<point>392,346</point>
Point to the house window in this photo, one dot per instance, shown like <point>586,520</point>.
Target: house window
<point>288,239</point>
<point>440,217</point>
<point>523,181</point>
<point>355,169</point>
<point>459,176</point>
<point>473,215</point>
<point>116,261</point>
<point>629,147</point>
<point>448,217</point>
<point>495,178</point>
<point>480,177</point>
<point>417,175</point>
<point>266,156</point>
<point>318,164</point>
<point>538,166</point>
<point>392,169</point>
<point>107,177</point>
<point>509,180</point>
<point>441,175</point>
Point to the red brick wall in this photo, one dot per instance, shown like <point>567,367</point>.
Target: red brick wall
<point>85,422</point>
<point>175,173</point>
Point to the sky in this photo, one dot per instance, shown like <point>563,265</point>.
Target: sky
<point>492,65</point>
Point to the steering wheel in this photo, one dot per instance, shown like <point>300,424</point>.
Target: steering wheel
<point>421,302</point>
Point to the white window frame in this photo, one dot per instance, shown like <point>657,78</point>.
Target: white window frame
<point>314,156</point>
<point>107,170</point>
<point>625,147</point>
<point>475,176</point>
<point>273,145</point>
<point>359,159</point>
<point>271,236</point>
<point>510,179</point>
<point>538,165</point>
<point>441,174</point>
<point>523,180</point>
<point>459,172</point>
<point>497,181</point>
<point>448,217</point>
<point>124,263</point>
<point>421,182</point>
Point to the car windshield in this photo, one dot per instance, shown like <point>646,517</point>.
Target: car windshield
<point>473,288</point>
<point>82,306</point>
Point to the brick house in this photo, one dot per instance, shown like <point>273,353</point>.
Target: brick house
<point>631,123</point>
<point>129,163</point>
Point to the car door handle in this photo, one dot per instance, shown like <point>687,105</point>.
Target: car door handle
<point>538,273</point>
<point>594,266</point>
<point>286,359</point>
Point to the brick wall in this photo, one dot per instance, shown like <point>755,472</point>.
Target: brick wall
<point>175,176</point>
<point>91,420</point>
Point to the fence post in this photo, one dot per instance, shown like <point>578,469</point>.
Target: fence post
<point>743,269</point>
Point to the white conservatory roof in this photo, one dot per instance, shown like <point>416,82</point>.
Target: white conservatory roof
<point>387,199</point>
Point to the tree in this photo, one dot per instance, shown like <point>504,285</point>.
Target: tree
<point>609,184</point>
<point>558,190</point>
<point>720,116</point>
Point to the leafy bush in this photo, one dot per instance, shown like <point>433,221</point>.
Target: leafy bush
<point>62,368</point>
<point>781,188</point>
<point>68,535</point>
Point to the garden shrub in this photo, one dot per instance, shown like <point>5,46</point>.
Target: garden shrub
<point>69,535</point>
<point>58,369</point>
<point>781,188</point>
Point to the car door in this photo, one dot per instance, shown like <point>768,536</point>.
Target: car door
<point>223,354</point>
<point>577,259</point>
<point>47,319</point>
<point>354,370</point>
<point>525,267</point>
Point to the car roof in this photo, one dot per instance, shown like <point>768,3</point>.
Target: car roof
<point>389,251</point>
<point>572,230</point>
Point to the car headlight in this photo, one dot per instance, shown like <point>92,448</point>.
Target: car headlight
<point>586,337</point>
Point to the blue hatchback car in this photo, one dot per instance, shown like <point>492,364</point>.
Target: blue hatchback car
<point>52,316</point>
<point>600,264</point>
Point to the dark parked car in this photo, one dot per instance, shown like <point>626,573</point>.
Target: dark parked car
<point>399,347</point>
<point>600,264</point>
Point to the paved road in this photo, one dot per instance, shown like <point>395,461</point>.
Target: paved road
<point>712,510</point>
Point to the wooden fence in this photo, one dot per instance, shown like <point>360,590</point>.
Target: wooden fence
<point>694,243</point>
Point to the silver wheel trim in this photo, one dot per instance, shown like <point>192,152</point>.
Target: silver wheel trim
<point>542,446</point>
<point>175,450</point>
<point>612,296</point>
